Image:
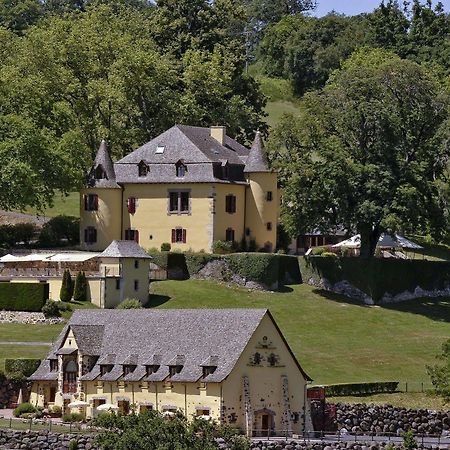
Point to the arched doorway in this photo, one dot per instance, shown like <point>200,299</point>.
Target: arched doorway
<point>70,377</point>
<point>264,422</point>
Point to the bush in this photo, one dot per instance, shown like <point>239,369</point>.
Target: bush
<point>73,444</point>
<point>80,289</point>
<point>196,261</point>
<point>252,245</point>
<point>66,291</point>
<point>289,270</point>
<point>23,296</point>
<point>345,389</point>
<point>11,235</point>
<point>51,309</point>
<point>130,303</point>
<point>263,268</point>
<point>60,230</point>
<point>224,247</point>
<point>23,367</point>
<point>73,417</point>
<point>24,408</point>
<point>56,410</point>
<point>165,247</point>
<point>329,254</point>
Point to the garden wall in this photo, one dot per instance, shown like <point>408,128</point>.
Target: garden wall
<point>378,280</point>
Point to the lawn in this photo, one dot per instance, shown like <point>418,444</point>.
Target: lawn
<point>335,340</point>
<point>62,205</point>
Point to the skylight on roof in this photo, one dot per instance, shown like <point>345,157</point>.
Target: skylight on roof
<point>160,149</point>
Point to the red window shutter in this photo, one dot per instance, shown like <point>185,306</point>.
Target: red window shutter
<point>131,203</point>
<point>96,202</point>
<point>85,198</point>
<point>94,235</point>
<point>174,235</point>
<point>233,202</point>
<point>227,203</point>
<point>184,236</point>
<point>136,236</point>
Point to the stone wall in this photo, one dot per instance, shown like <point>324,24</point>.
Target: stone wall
<point>365,419</point>
<point>28,318</point>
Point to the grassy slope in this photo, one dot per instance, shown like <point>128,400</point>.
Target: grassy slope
<point>334,339</point>
<point>69,206</point>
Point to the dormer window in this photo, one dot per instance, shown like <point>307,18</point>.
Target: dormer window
<point>208,370</point>
<point>128,368</point>
<point>100,173</point>
<point>173,370</point>
<point>181,169</point>
<point>105,368</point>
<point>152,368</point>
<point>143,169</point>
<point>160,149</point>
<point>53,365</point>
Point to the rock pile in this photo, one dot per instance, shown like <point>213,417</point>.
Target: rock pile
<point>28,318</point>
<point>365,419</point>
<point>292,445</point>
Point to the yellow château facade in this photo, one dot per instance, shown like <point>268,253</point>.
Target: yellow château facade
<point>232,366</point>
<point>189,187</point>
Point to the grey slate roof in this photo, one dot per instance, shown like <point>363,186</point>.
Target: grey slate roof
<point>257,159</point>
<point>124,249</point>
<point>103,159</point>
<point>186,336</point>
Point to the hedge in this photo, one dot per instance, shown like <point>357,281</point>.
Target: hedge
<point>260,267</point>
<point>377,276</point>
<point>345,389</point>
<point>22,366</point>
<point>23,296</point>
<point>196,261</point>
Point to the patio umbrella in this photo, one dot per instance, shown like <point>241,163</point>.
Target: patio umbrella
<point>107,407</point>
<point>204,417</point>
<point>353,242</point>
<point>77,404</point>
<point>168,413</point>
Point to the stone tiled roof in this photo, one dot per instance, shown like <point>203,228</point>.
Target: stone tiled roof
<point>124,249</point>
<point>189,337</point>
<point>257,159</point>
<point>104,160</point>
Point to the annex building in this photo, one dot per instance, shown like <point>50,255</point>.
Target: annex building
<point>189,187</point>
<point>231,365</point>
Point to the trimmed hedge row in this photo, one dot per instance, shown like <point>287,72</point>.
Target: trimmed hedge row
<point>23,296</point>
<point>344,389</point>
<point>266,268</point>
<point>21,366</point>
<point>378,276</point>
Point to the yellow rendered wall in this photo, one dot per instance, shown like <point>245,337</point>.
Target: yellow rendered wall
<point>265,382</point>
<point>106,219</point>
<point>152,218</point>
<point>224,220</point>
<point>259,211</point>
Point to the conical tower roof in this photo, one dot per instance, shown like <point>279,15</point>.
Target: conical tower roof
<point>102,172</point>
<point>257,158</point>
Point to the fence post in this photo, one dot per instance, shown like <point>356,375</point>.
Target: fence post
<point>10,422</point>
<point>30,422</point>
<point>422,386</point>
<point>406,386</point>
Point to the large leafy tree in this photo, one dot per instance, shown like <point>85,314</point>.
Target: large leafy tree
<point>440,373</point>
<point>370,153</point>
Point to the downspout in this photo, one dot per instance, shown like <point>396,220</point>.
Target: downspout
<point>121,213</point>
<point>221,404</point>
<point>132,393</point>
<point>156,393</point>
<point>111,390</point>
<point>185,400</point>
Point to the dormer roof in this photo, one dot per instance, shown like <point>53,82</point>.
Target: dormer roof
<point>103,161</point>
<point>257,158</point>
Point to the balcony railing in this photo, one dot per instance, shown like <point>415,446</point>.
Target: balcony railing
<point>69,388</point>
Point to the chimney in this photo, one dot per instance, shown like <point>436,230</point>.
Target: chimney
<point>218,133</point>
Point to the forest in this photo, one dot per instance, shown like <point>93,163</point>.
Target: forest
<point>368,149</point>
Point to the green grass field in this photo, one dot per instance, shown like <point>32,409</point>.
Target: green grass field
<point>62,205</point>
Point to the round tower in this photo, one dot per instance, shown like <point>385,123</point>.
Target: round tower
<point>262,202</point>
<point>100,204</point>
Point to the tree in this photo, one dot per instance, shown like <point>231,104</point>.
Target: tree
<point>370,153</point>
<point>80,289</point>
<point>440,373</point>
<point>130,303</point>
<point>60,230</point>
<point>18,15</point>
<point>65,294</point>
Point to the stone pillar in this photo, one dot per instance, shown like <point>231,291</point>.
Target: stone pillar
<point>80,388</point>
<point>60,374</point>
<point>287,416</point>
<point>247,407</point>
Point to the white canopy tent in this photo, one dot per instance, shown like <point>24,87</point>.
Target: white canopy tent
<point>107,407</point>
<point>385,241</point>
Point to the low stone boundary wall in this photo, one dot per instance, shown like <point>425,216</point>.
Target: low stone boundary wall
<point>28,318</point>
<point>365,419</point>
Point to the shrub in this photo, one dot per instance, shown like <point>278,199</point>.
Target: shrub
<point>73,444</point>
<point>66,291</point>
<point>21,367</point>
<point>56,410</point>
<point>165,247</point>
<point>10,235</point>
<point>51,309</point>
<point>345,389</point>
<point>24,408</point>
<point>261,267</point>
<point>409,442</point>
<point>224,247</point>
<point>23,296</point>
<point>63,306</point>
<point>80,289</point>
<point>73,417</point>
<point>196,261</point>
<point>252,245</point>
<point>130,303</point>
<point>331,254</point>
<point>60,230</point>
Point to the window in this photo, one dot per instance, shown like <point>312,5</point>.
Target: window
<point>144,408</point>
<point>181,169</point>
<point>153,368</point>
<point>179,235</point>
<point>143,169</point>
<point>118,283</point>
<point>160,149</point>
<point>91,202</point>
<point>136,264</point>
<point>230,203</point>
<point>269,226</point>
<point>131,205</point>
<point>229,235</point>
<point>99,172</point>
<point>105,368</point>
<point>131,235</point>
<point>208,370</point>
<point>202,411</point>
<point>53,365</point>
<point>173,370</point>
<point>127,369</point>
<point>269,196</point>
<point>247,231</point>
<point>179,202</point>
<point>90,235</point>
<point>136,285</point>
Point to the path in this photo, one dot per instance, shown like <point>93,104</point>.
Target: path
<point>29,343</point>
